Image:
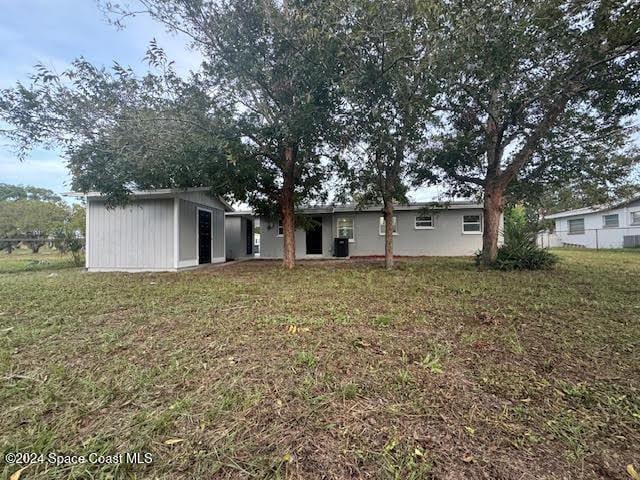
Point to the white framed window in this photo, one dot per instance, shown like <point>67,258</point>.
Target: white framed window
<point>610,221</point>
<point>635,218</point>
<point>280,228</point>
<point>381,226</point>
<point>345,229</point>
<point>424,222</point>
<point>472,224</point>
<point>576,226</point>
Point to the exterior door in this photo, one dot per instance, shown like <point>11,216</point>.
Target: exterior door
<point>249,237</point>
<point>314,237</point>
<point>204,236</point>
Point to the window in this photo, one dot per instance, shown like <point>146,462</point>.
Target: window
<point>345,228</point>
<point>610,221</point>
<point>425,221</point>
<point>280,228</point>
<point>471,224</point>
<point>635,218</point>
<point>381,226</point>
<point>576,226</point>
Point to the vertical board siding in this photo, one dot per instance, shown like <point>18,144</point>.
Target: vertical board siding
<point>141,235</point>
<point>218,234</point>
<point>188,212</point>
<point>187,235</point>
<point>137,236</point>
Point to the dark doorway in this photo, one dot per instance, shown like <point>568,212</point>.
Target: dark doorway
<point>314,237</point>
<point>204,236</point>
<point>249,237</point>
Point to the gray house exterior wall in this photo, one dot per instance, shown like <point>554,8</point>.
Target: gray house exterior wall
<point>236,236</point>
<point>154,232</point>
<point>271,245</point>
<point>446,238</point>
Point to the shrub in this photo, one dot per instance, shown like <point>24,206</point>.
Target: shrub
<point>68,242</point>
<point>520,251</point>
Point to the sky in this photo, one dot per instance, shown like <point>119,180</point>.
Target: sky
<point>54,33</point>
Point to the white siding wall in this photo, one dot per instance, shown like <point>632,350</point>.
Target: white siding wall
<point>595,234</point>
<point>136,237</point>
<point>204,200</point>
<point>142,235</point>
<point>188,226</point>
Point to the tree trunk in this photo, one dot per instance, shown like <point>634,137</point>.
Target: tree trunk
<point>388,234</point>
<point>287,208</point>
<point>493,208</point>
<point>35,246</point>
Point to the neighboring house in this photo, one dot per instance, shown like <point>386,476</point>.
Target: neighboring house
<point>239,234</point>
<point>421,229</point>
<point>600,226</point>
<point>159,230</point>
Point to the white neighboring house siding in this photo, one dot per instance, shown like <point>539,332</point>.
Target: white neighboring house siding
<point>606,237</point>
<point>151,234</point>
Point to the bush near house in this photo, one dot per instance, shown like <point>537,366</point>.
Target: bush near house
<point>520,251</point>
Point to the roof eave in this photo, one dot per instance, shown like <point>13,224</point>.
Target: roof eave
<point>158,193</point>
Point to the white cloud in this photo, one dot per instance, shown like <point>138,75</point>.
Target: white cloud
<point>48,170</point>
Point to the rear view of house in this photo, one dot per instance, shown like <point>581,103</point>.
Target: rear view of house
<point>600,226</point>
<point>420,229</point>
<point>159,230</point>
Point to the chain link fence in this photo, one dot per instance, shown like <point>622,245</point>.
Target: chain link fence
<point>596,238</point>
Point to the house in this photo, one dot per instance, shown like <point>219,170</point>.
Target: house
<point>158,230</point>
<point>600,226</point>
<point>419,229</point>
<point>239,233</point>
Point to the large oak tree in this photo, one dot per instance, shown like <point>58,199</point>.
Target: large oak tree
<point>387,87</point>
<point>276,64</point>
<point>529,86</point>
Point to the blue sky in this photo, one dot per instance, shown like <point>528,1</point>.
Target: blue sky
<point>54,32</point>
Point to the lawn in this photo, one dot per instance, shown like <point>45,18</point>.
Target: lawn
<point>22,260</point>
<point>335,370</point>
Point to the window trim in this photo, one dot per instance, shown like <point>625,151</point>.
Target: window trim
<point>473,232</point>
<point>569,232</point>
<point>604,223</point>
<point>381,225</point>
<point>415,222</point>
<point>279,227</point>
<point>631,216</point>
<point>353,228</point>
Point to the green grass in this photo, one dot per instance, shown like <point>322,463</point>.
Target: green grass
<point>334,370</point>
<point>22,260</point>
